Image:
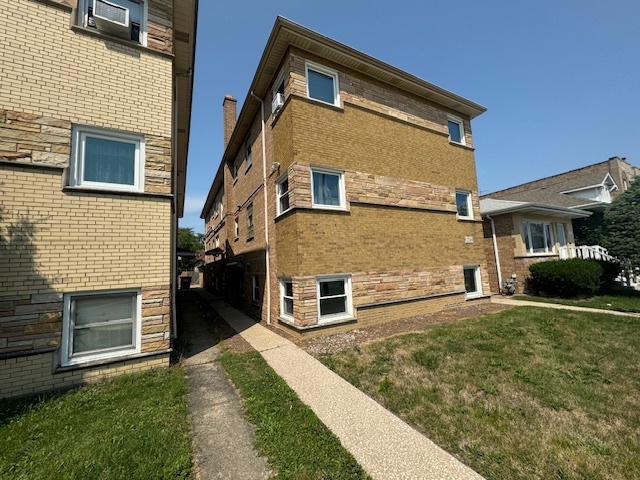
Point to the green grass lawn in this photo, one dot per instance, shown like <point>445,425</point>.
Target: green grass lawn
<point>523,394</point>
<point>288,433</point>
<point>132,427</point>
<point>621,301</point>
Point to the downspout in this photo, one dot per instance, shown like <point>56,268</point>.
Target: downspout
<point>495,253</point>
<point>174,205</point>
<point>174,215</point>
<point>267,283</point>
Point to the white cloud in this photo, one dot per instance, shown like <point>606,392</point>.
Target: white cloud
<point>194,204</point>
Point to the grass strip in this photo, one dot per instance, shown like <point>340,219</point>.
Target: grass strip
<point>134,426</point>
<point>525,393</point>
<point>296,443</point>
<point>623,301</point>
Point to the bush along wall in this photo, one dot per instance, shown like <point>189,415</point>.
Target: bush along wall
<point>566,278</point>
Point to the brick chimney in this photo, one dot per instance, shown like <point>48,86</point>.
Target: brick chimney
<point>229,117</point>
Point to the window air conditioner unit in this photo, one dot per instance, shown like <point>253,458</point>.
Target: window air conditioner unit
<point>278,102</point>
<point>111,18</point>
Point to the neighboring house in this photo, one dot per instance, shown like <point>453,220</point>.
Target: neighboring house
<point>518,234</point>
<point>347,192</point>
<point>588,188</point>
<point>536,221</point>
<point>94,128</point>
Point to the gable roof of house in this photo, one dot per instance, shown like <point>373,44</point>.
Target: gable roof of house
<point>491,206</point>
<point>553,190</point>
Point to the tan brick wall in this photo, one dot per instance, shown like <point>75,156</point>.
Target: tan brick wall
<point>53,71</point>
<point>34,373</point>
<point>73,240</point>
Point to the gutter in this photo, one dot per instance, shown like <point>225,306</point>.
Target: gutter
<point>267,282</point>
<point>495,253</point>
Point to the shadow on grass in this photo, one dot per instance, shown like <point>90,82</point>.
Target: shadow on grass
<point>16,407</point>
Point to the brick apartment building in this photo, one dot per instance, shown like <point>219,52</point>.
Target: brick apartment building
<point>94,128</point>
<point>347,192</point>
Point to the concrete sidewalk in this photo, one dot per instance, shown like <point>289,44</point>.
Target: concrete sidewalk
<point>223,438</point>
<point>520,303</point>
<point>385,446</point>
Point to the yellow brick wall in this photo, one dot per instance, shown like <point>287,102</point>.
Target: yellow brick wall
<point>51,70</point>
<point>33,374</point>
<point>76,241</point>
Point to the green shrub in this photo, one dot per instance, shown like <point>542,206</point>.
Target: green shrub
<point>566,278</point>
<point>610,270</point>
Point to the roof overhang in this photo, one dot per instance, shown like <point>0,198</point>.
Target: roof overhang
<point>218,183</point>
<point>539,209</point>
<point>286,33</point>
<point>185,15</point>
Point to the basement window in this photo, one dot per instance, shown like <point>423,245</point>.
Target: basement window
<point>472,281</point>
<point>100,325</point>
<point>334,298</point>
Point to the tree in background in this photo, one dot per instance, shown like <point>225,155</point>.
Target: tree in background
<point>189,240</point>
<point>590,230</point>
<point>622,224</point>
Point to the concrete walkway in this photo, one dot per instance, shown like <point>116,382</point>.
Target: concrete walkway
<point>515,302</point>
<point>385,446</point>
<point>223,438</point>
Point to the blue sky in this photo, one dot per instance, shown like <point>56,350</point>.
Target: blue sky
<point>560,79</point>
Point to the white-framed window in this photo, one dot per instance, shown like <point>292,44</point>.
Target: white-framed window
<point>327,188</point>
<point>107,159</point>
<point>286,298</point>
<point>236,228</point>
<point>282,194</point>
<point>456,129</point>
<point>464,206</point>
<point>255,288</point>
<point>100,325</point>
<point>334,298</point>
<point>538,237</point>
<point>247,152</point>
<point>472,281</point>
<point>217,242</point>
<point>250,221</point>
<point>322,83</point>
<point>126,19</point>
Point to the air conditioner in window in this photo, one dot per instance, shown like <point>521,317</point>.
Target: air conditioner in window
<point>278,102</point>
<point>111,18</point>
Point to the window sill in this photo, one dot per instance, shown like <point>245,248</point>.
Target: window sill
<point>477,296</point>
<point>461,145</point>
<point>108,360</point>
<point>290,322</point>
<point>249,238</point>
<point>105,191</point>
<point>235,180</point>
<point>92,32</point>
<point>329,207</point>
<point>248,168</point>
<point>465,219</point>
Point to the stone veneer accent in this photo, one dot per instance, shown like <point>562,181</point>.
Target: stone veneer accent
<point>37,139</point>
<point>375,96</point>
<point>34,322</point>
<point>374,189</point>
<point>376,289</point>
